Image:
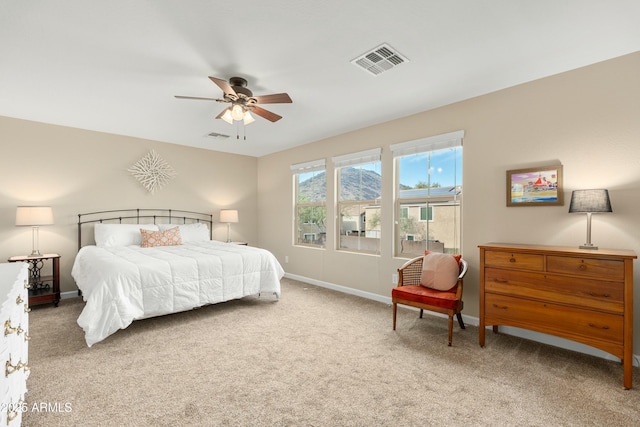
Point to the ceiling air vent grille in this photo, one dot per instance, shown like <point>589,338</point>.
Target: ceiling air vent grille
<point>217,135</point>
<point>380,59</point>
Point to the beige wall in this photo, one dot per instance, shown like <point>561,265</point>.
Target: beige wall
<point>586,119</point>
<point>78,171</point>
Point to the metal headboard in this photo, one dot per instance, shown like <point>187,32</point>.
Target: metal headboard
<point>144,216</point>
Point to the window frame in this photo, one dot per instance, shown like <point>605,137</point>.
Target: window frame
<point>428,202</point>
<point>357,159</point>
<point>297,170</point>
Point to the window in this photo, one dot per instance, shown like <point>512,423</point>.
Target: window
<point>428,195</point>
<point>359,186</point>
<point>310,215</point>
<point>423,213</point>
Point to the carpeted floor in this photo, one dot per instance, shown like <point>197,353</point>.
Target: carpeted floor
<point>315,358</point>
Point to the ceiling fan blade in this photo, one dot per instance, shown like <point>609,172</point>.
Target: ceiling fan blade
<point>265,114</point>
<point>199,98</point>
<point>276,98</point>
<point>224,85</point>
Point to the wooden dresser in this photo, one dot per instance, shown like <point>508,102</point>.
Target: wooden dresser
<point>14,342</point>
<point>578,294</point>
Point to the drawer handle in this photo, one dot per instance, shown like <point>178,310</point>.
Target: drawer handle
<point>8,329</point>
<point>512,259</point>
<point>10,369</point>
<point>26,308</point>
<point>593,294</point>
<point>582,267</point>
<point>27,337</point>
<point>19,300</point>
<point>500,280</point>
<point>501,307</point>
<point>27,285</point>
<point>599,327</point>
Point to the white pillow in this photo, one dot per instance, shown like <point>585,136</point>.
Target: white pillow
<point>108,235</point>
<point>196,232</point>
<point>439,271</point>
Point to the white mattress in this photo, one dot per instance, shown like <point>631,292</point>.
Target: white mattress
<point>126,283</point>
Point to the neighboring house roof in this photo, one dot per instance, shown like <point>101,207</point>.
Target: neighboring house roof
<point>415,193</point>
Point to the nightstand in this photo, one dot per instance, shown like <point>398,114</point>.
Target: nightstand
<point>42,289</point>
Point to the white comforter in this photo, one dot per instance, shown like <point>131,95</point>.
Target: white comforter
<point>122,284</point>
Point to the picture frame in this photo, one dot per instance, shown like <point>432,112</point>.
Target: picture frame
<point>541,186</point>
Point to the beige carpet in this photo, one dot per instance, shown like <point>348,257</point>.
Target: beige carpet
<point>314,358</point>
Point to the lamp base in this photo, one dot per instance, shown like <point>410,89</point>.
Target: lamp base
<point>35,253</point>
<point>588,246</point>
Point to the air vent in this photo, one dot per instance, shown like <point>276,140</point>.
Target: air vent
<point>217,135</point>
<point>380,59</point>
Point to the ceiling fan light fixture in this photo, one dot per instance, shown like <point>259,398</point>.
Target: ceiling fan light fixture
<point>242,101</point>
<point>248,118</point>
<point>227,116</point>
<point>237,112</point>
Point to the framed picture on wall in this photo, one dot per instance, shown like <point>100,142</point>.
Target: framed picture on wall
<point>540,186</point>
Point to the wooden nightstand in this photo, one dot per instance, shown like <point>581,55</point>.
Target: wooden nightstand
<point>42,289</point>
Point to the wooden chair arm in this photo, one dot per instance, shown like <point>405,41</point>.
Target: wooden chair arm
<point>464,266</point>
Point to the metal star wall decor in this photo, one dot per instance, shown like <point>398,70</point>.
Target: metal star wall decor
<point>152,171</point>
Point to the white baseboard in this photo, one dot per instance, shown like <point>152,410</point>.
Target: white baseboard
<point>507,330</point>
<point>68,294</point>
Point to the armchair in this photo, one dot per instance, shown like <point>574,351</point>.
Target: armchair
<point>410,292</point>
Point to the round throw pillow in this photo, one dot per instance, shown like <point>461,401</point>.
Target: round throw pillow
<point>439,271</point>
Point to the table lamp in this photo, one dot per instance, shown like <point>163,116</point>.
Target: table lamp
<point>589,201</point>
<point>35,216</point>
<point>229,216</point>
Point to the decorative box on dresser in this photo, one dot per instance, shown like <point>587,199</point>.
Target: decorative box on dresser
<point>14,341</point>
<point>582,295</point>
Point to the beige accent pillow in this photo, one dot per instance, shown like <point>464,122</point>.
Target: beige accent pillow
<point>439,271</point>
<point>170,237</point>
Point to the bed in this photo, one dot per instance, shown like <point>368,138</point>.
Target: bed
<point>147,262</point>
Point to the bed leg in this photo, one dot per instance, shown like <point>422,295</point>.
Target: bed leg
<point>277,295</point>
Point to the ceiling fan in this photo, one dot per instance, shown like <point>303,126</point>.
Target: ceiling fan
<point>242,101</point>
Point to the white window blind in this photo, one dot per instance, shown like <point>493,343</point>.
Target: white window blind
<point>311,166</point>
<point>359,158</point>
<point>432,143</point>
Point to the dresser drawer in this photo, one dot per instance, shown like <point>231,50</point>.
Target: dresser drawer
<point>588,267</point>
<point>585,326</point>
<point>515,260</point>
<point>577,291</point>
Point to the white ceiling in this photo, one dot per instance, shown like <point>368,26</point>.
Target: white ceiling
<point>115,66</point>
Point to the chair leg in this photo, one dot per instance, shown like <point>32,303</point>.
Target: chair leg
<point>450,329</point>
<point>395,308</point>
<point>460,322</point>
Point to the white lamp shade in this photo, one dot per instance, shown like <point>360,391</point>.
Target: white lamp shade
<point>248,118</point>
<point>228,215</point>
<point>237,112</point>
<point>227,116</point>
<point>34,215</point>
